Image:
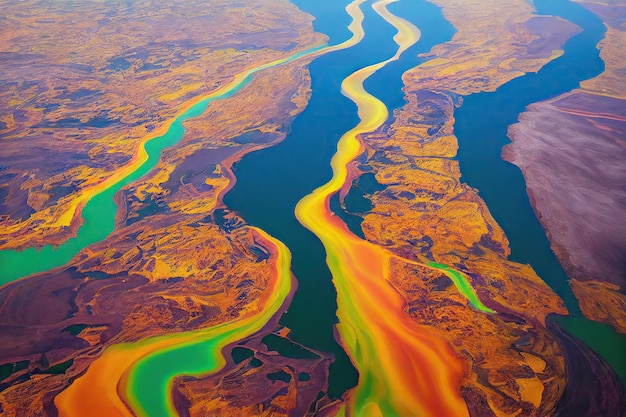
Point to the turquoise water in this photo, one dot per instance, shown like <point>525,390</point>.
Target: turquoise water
<point>99,213</point>
<point>280,176</point>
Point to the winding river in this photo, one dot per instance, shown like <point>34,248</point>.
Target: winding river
<point>403,368</point>
<point>287,173</point>
<point>141,374</point>
<point>397,367</point>
<point>96,204</point>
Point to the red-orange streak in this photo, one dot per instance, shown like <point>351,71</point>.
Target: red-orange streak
<point>413,368</point>
<point>405,369</point>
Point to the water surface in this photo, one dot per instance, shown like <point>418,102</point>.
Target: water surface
<point>481,128</point>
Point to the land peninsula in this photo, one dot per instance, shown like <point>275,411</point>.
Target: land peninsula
<point>183,280</point>
<point>100,82</point>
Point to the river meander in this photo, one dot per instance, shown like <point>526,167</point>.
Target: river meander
<point>100,209</point>
<point>282,175</point>
<point>270,182</point>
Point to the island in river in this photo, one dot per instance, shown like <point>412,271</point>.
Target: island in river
<point>177,311</point>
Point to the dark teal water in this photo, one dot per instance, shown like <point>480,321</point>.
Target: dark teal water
<point>481,127</point>
<point>280,176</point>
<point>387,86</point>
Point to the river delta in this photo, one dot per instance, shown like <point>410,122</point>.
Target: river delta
<point>278,208</point>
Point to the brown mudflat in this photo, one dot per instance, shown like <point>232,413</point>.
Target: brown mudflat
<point>571,150</point>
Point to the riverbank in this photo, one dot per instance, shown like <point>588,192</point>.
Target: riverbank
<point>170,265</point>
<point>422,209</point>
<point>571,151</point>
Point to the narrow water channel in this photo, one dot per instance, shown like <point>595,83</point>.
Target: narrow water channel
<point>387,85</point>
<point>98,215</point>
<point>481,128</point>
<point>271,182</point>
<point>280,176</point>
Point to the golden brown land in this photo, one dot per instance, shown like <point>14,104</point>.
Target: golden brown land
<point>571,150</point>
<point>422,211</point>
<point>178,261</point>
<point>174,262</point>
<point>245,390</point>
<point>601,301</point>
<point>495,42</point>
<point>96,80</point>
